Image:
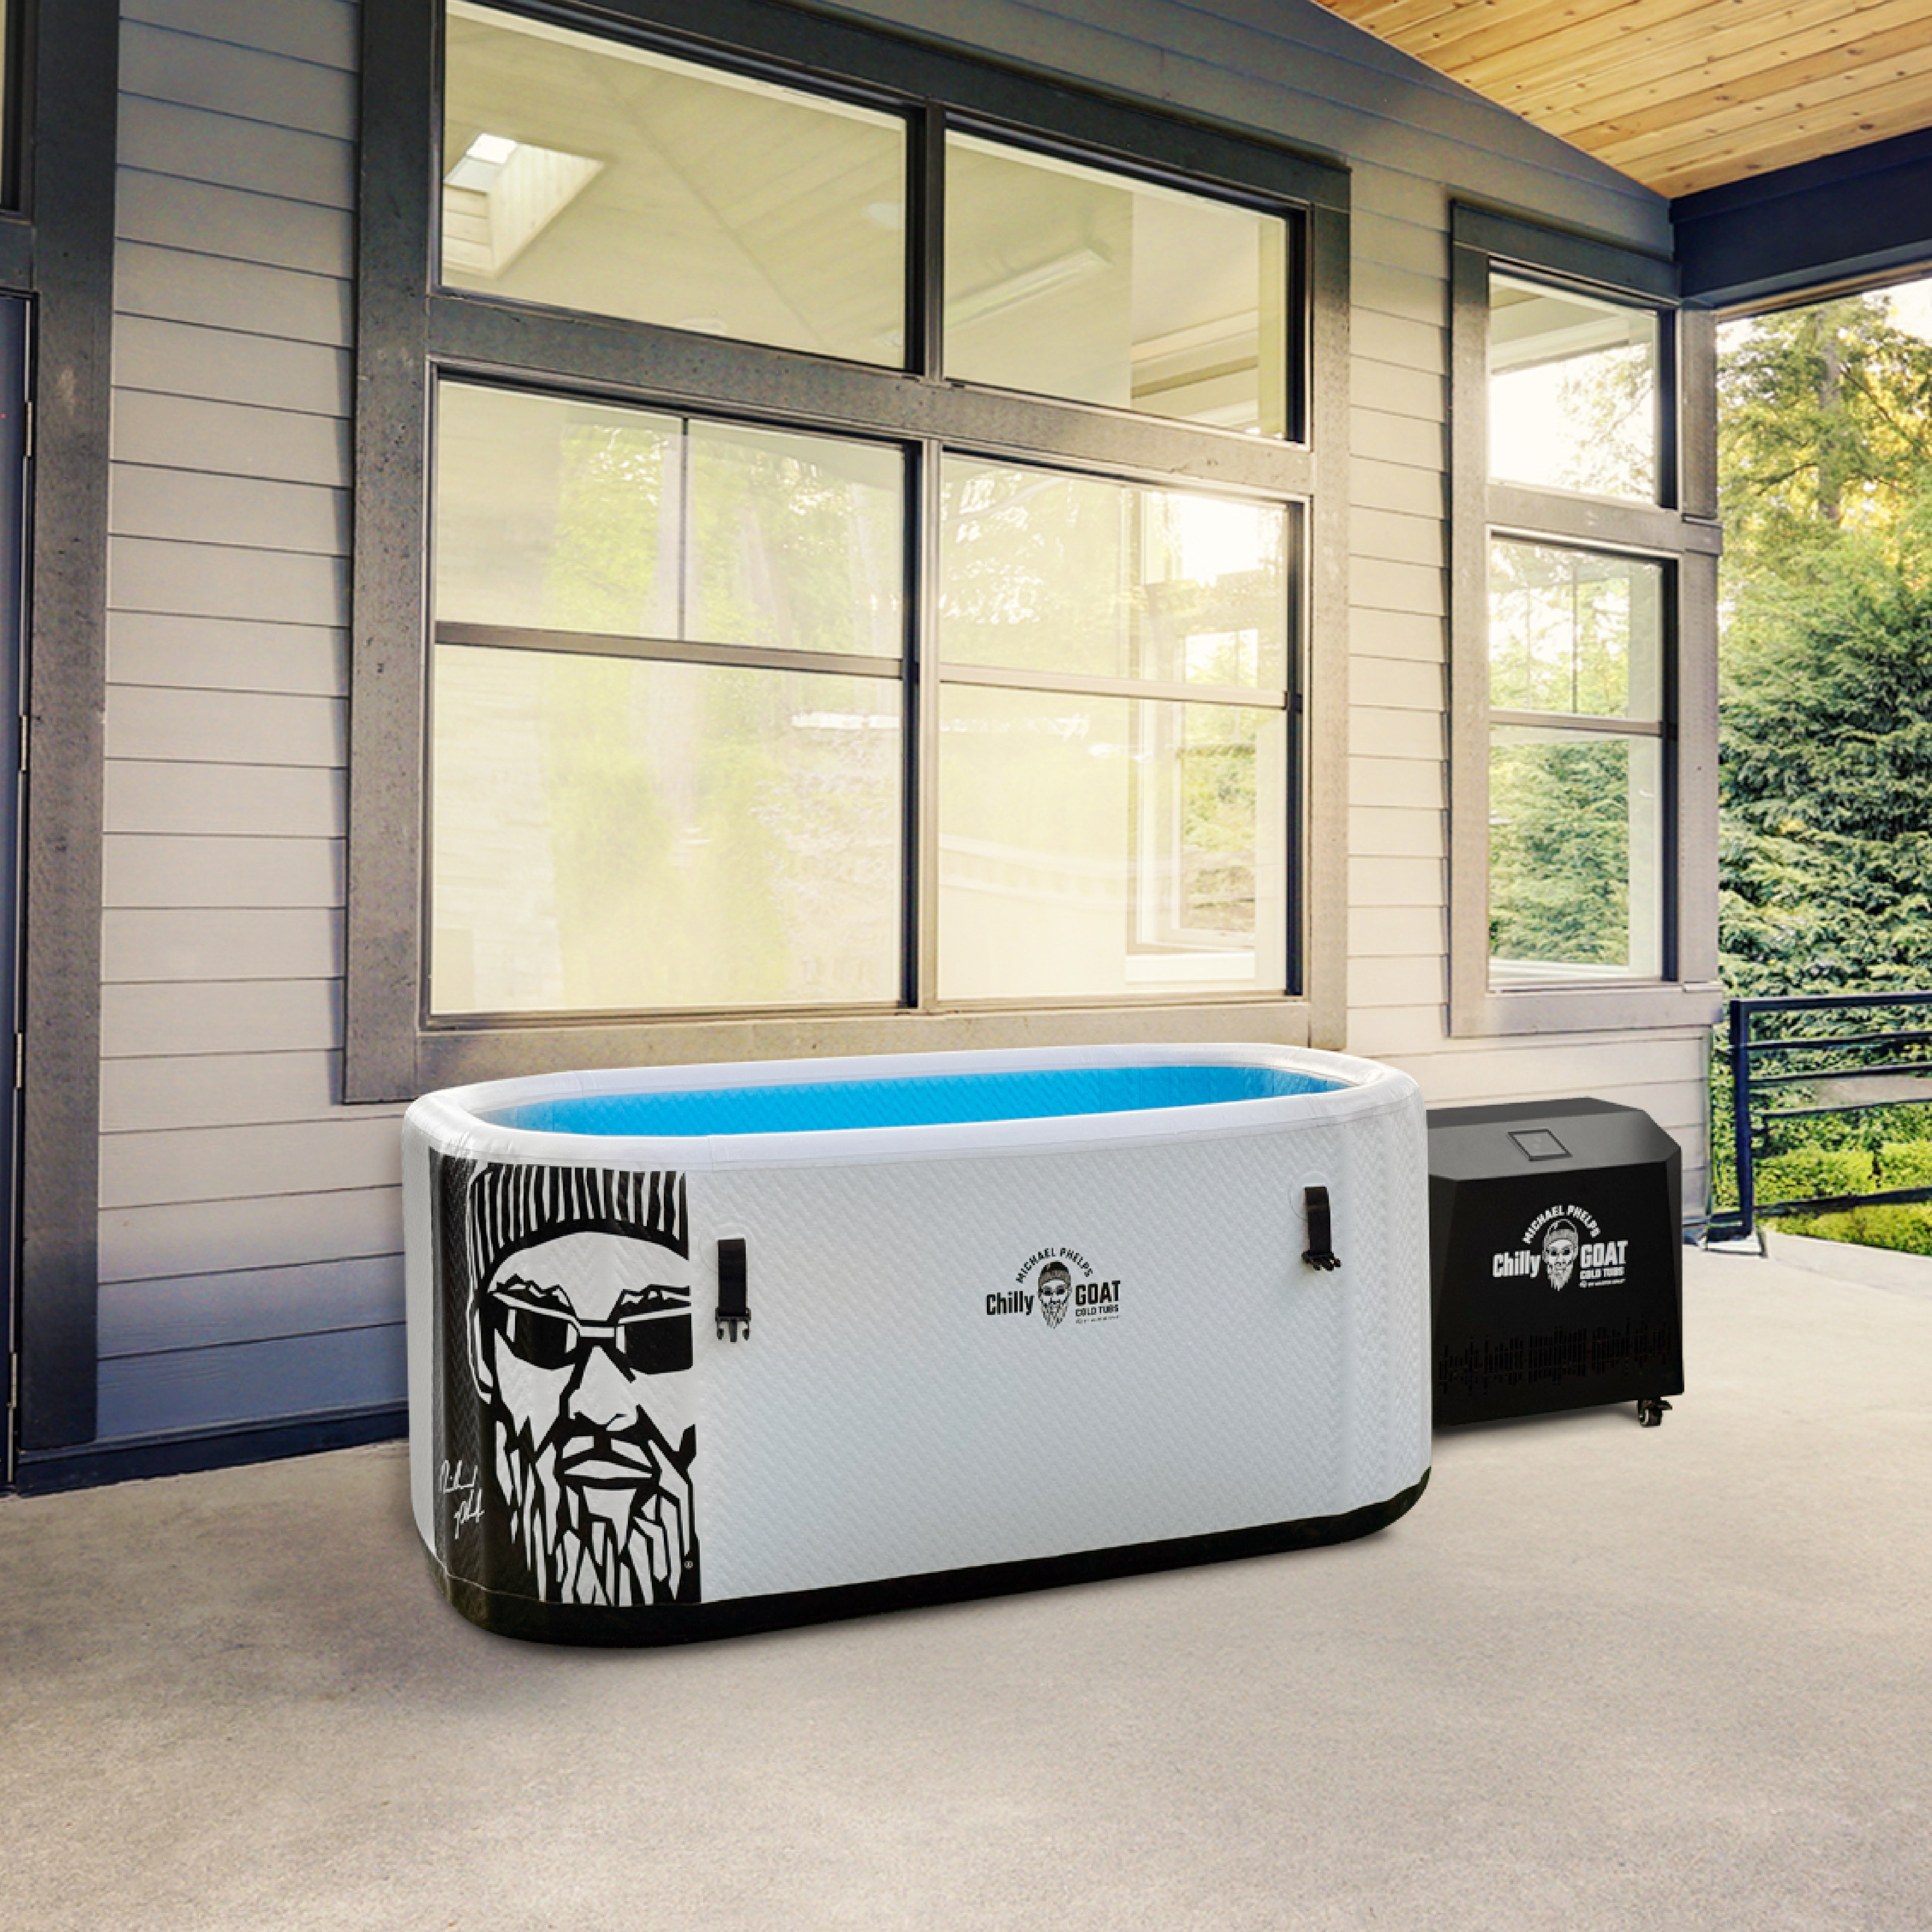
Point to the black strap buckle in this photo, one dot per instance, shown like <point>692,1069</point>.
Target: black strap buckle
<point>733,1311</point>
<point>1320,1253</point>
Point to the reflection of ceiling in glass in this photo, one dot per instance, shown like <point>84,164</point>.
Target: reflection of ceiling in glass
<point>686,219</point>
<point>500,196</point>
<point>1530,325</point>
<point>1072,281</point>
<point>1573,395</point>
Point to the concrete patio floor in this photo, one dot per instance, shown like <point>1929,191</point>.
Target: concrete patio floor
<point>1601,1676</point>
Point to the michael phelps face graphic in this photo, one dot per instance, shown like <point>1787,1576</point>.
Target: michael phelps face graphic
<point>580,1343</point>
<point>1559,1253</point>
<point>1055,1290</point>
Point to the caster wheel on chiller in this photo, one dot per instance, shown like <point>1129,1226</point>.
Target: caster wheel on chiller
<point>1650,1410</point>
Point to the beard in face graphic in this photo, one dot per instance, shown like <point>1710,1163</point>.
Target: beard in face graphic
<point>580,1345</point>
<point>1559,1253</point>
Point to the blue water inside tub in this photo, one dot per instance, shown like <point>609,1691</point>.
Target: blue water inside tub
<point>908,1100</point>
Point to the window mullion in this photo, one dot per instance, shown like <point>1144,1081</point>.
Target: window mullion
<point>922,858</point>
<point>1543,516</point>
<point>1579,721</point>
<point>926,257</point>
<point>926,314</point>
<point>526,347</point>
<point>1075,684</point>
<point>664,650</point>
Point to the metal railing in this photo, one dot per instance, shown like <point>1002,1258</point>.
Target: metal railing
<point>1866,1059</point>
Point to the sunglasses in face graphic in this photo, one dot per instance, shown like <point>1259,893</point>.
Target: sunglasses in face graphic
<point>581,1345</point>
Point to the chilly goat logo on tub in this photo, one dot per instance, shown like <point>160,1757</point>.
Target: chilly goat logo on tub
<point>1562,1244</point>
<point>1053,1280</point>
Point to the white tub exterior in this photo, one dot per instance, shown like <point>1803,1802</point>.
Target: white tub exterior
<point>882,1422</point>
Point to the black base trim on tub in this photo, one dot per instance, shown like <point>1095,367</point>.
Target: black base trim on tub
<point>183,1452</point>
<point>509,1615</point>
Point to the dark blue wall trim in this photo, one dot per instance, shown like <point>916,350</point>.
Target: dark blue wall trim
<point>72,163</point>
<point>1860,213</point>
<point>42,1471</point>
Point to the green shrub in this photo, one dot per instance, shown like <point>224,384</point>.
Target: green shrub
<point>1906,1163</point>
<point>1805,1173</point>
<point>1905,1226</point>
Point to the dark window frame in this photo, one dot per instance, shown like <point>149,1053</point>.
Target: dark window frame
<point>410,330</point>
<point>1680,531</point>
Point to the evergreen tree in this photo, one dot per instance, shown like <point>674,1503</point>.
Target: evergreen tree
<point>1826,772</point>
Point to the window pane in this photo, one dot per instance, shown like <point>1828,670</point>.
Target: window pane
<point>555,515</point>
<point>1098,846</point>
<point>1069,281</point>
<point>1576,631</point>
<point>795,541</point>
<point>1576,857</point>
<point>559,515</point>
<point>610,833</point>
<point>1040,572</point>
<point>589,174</point>
<point>1573,392</point>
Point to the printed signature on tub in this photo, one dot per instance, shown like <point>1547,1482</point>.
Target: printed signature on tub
<point>454,1483</point>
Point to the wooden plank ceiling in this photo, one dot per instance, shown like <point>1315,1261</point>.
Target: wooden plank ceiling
<point>1681,95</point>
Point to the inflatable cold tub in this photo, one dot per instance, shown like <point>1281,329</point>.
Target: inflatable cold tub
<point>695,1350</point>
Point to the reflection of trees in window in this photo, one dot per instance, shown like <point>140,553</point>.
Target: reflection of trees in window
<point>1099,579</point>
<point>794,543</point>
<point>1036,572</point>
<point>613,565</point>
<point>1574,635</point>
<point>1218,824</point>
<point>1609,400</point>
<point>1559,853</point>
<point>732,536</point>
<point>1560,627</point>
<point>721,835</point>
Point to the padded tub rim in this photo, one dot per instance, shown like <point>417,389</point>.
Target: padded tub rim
<point>458,1118</point>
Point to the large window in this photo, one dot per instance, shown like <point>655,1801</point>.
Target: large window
<point>1585,550</point>
<point>859,570</point>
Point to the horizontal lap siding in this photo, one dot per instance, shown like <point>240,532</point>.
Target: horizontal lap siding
<point>250,1223</point>
<point>193,1389</point>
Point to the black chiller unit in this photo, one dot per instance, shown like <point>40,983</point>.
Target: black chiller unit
<point>1556,1259</point>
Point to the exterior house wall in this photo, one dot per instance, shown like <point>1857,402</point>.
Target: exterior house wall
<point>250,1226</point>
<point>250,1223</point>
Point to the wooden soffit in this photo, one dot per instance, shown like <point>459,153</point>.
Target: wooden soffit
<point>1681,95</point>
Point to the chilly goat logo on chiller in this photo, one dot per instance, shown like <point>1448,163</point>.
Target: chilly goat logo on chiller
<point>1562,1244</point>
